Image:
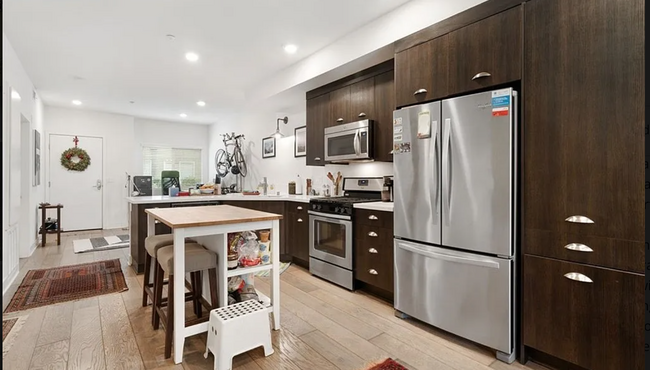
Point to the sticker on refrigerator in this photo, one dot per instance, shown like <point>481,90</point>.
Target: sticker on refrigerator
<point>424,125</point>
<point>501,111</point>
<point>397,121</point>
<point>398,129</point>
<point>397,138</point>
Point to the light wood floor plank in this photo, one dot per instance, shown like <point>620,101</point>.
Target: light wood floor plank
<point>300,353</point>
<point>57,324</point>
<point>86,343</point>
<point>416,358</point>
<point>300,283</point>
<point>332,351</point>
<point>20,355</point>
<point>120,348</point>
<point>53,356</point>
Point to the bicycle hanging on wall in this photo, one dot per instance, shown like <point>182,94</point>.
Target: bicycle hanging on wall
<point>230,159</point>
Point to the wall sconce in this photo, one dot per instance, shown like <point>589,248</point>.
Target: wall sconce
<point>277,134</point>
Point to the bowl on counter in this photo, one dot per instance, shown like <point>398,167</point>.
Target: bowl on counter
<point>207,191</point>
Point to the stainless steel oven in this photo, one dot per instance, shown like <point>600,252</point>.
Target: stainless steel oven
<point>349,142</point>
<point>330,247</point>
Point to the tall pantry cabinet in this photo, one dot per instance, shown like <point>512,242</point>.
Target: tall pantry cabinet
<point>583,198</point>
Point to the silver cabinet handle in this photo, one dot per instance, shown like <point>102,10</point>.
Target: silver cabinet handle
<point>317,158</point>
<point>373,234</point>
<point>420,91</point>
<point>578,247</point>
<point>373,251</point>
<point>577,219</point>
<point>299,208</point>
<point>339,120</point>
<point>156,221</point>
<point>362,114</point>
<point>372,217</point>
<point>480,75</point>
<point>578,277</point>
<point>299,220</point>
<point>373,272</point>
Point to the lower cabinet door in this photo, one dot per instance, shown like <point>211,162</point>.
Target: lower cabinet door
<point>589,316</point>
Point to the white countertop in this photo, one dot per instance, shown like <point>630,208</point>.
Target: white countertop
<point>212,198</point>
<point>376,206</point>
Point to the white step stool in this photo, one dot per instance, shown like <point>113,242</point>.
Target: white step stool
<point>236,329</point>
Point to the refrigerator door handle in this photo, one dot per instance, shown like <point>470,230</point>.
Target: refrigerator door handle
<point>446,147</point>
<point>436,200</point>
<point>450,258</point>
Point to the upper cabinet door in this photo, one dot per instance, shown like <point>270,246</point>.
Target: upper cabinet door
<point>584,117</point>
<point>421,72</point>
<point>362,100</point>
<point>384,107</point>
<point>340,106</point>
<point>486,53</point>
<point>318,117</point>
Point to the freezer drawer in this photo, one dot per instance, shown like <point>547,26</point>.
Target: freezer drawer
<point>465,294</point>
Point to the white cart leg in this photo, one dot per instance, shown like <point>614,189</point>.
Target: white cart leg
<point>179,294</point>
<point>222,269</point>
<point>275,274</point>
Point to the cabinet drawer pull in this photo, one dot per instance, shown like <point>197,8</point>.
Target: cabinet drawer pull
<point>420,91</point>
<point>578,247</point>
<point>577,219</point>
<point>480,75</point>
<point>156,222</point>
<point>299,208</point>
<point>317,159</point>
<point>578,277</point>
<point>362,114</point>
<point>299,220</point>
<point>339,120</point>
<point>373,234</point>
<point>372,217</point>
<point>373,251</point>
<point>373,272</point>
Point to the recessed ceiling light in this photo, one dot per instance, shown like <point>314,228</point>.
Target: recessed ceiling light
<point>200,103</point>
<point>290,48</point>
<point>183,115</point>
<point>192,57</point>
<point>76,102</point>
<point>15,95</point>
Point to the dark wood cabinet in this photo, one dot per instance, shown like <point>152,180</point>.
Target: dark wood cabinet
<point>298,233</point>
<point>362,100</point>
<point>384,95</point>
<point>486,53</point>
<point>595,323</point>
<point>139,232</point>
<point>318,117</point>
<point>340,106</point>
<point>421,72</point>
<point>373,249</point>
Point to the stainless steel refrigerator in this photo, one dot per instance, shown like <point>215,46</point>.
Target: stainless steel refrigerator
<point>454,216</point>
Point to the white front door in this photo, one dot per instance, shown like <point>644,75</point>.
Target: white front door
<point>80,192</point>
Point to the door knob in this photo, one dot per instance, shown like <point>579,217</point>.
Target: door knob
<point>98,185</point>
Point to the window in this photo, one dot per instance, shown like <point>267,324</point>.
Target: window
<point>186,161</point>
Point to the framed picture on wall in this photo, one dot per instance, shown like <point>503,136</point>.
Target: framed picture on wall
<point>300,142</point>
<point>37,159</point>
<point>268,147</point>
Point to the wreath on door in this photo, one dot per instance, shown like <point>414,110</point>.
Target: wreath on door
<point>75,159</point>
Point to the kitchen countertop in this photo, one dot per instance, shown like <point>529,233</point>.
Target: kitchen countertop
<point>376,206</point>
<point>211,198</point>
<point>209,216</point>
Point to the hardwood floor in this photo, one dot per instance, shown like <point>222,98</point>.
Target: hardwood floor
<point>324,327</point>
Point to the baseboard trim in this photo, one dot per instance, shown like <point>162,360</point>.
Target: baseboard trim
<point>9,281</point>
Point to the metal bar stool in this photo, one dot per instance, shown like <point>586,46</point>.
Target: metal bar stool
<point>197,260</point>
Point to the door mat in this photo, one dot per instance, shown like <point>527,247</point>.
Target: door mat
<point>100,244</point>
<point>68,283</point>
<point>10,329</point>
<point>388,364</point>
<point>283,267</point>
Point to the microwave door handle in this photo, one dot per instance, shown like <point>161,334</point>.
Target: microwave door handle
<point>356,143</point>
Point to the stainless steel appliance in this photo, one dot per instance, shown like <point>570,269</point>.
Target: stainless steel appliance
<point>454,216</point>
<point>349,142</point>
<point>331,232</point>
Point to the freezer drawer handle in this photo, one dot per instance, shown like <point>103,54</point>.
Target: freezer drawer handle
<point>372,217</point>
<point>373,251</point>
<point>578,277</point>
<point>450,258</point>
<point>578,247</point>
<point>373,234</point>
<point>481,75</point>
<point>420,91</point>
<point>373,272</point>
<point>577,219</point>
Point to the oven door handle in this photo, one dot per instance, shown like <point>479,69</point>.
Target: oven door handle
<point>329,215</point>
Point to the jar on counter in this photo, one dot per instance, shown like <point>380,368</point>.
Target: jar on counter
<point>292,187</point>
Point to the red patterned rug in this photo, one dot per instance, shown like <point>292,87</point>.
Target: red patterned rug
<point>6,327</point>
<point>388,364</point>
<point>68,283</point>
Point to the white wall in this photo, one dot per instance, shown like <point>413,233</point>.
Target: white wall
<point>117,132</point>
<point>284,167</point>
<point>29,106</point>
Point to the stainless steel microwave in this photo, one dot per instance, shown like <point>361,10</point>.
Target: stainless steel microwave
<point>349,142</point>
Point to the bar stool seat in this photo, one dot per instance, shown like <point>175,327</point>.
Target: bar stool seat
<point>197,260</point>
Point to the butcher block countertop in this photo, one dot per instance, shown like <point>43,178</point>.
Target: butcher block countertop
<point>209,216</point>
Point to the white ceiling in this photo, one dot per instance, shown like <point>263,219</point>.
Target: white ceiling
<point>107,53</point>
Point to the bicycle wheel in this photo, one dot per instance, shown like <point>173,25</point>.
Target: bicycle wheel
<point>238,158</point>
<point>221,164</point>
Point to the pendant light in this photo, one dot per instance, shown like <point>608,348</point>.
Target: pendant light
<point>277,134</point>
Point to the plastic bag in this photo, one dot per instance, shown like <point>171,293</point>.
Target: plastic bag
<point>249,253</point>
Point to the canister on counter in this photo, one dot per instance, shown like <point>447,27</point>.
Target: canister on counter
<point>292,187</point>
<point>308,187</point>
